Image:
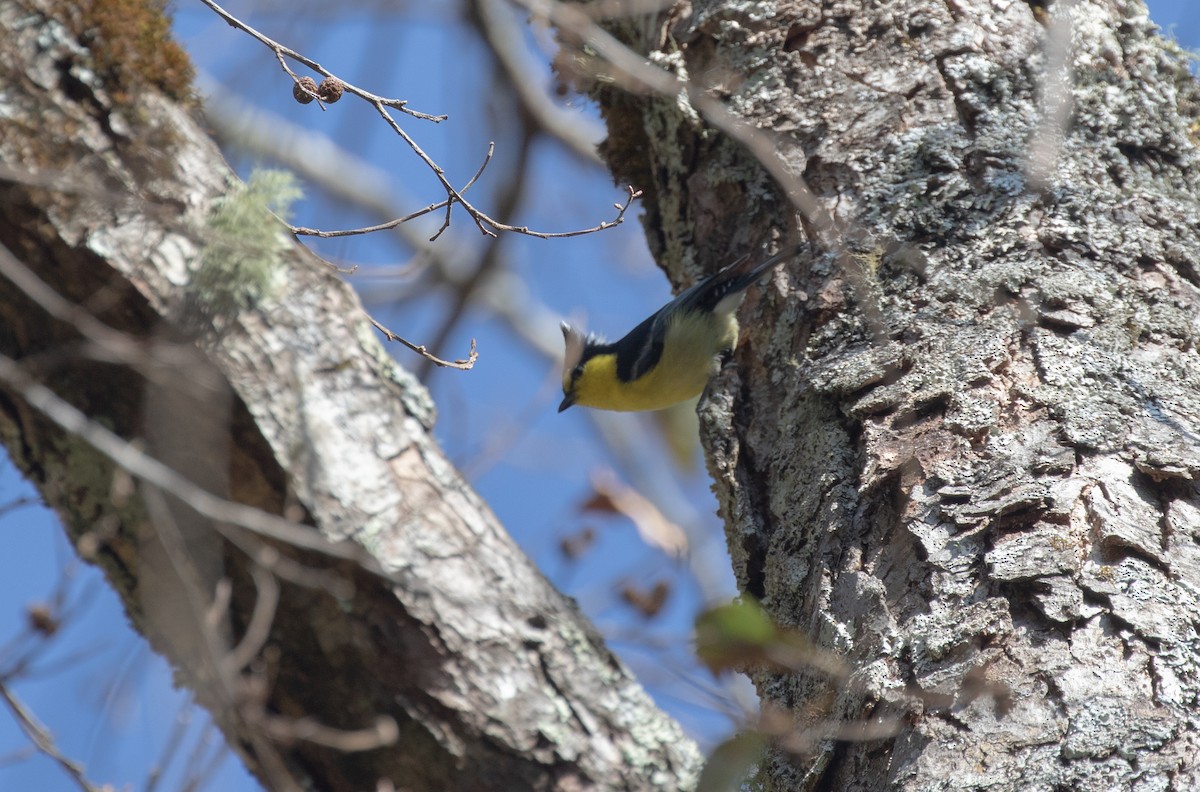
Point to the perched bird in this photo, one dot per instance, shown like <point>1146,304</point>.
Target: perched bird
<point>669,357</point>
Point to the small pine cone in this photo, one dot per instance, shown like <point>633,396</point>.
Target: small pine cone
<point>298,90</point>
<point>330,90</point>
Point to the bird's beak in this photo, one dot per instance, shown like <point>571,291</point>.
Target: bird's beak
<point>566,402</point>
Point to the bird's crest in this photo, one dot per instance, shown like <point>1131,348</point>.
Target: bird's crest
<point>576,343</point>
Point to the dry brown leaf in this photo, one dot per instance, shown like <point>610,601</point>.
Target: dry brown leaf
<point>611,496</point>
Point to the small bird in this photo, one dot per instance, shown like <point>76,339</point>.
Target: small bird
<point>669,357</point>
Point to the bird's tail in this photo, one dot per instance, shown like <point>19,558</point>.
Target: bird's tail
<point>706,295</point>
<point>744,276</point>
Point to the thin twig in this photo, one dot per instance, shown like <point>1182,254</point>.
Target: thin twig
<point>259,628</point>
<point>153,361</point>
<point>497,23</point>
<point>302,231</point>
<point>462,365</point>
<point>382,734</point>
<point>487,225</point>
<point>179,727</point>
<point>344,174</point>
<point>43,740</point>
<point>488,158</point>
<point>142,466</point>
<point>201,769</point>
<point>507,201</point>
<point>450,201</point>
<point>282,51</point>
<point>299,231</point>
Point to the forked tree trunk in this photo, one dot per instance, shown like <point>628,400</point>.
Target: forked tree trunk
<point>967,462</point>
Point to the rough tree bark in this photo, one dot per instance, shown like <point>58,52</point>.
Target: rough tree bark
<point>969,462</point>
<point>414,623</point>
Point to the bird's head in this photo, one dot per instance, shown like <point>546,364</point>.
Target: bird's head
<point>581,366</point>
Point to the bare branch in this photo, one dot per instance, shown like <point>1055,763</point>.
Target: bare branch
<point>150,470</point>
<point>350,179</point>
<point>303,231</point>
<point>384,732</point>
<point>43,740</point>
<point>487,225</point>
<point>259,628</point>
<point>502,33</point>
<point>281,52</point>
<point>462,365</point>
<point>616,221</point>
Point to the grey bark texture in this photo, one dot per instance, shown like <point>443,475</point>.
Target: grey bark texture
<point>968,463</point>
<point>415,624</point>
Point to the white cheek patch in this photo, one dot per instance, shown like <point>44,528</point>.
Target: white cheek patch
<point>729,305</point>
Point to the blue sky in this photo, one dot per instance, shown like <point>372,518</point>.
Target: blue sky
<point>109,701</point>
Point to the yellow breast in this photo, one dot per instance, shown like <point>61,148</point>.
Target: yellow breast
<point>689,358</point>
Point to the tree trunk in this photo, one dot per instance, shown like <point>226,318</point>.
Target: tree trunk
<point>967,461</point>
<point>393,632</point>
